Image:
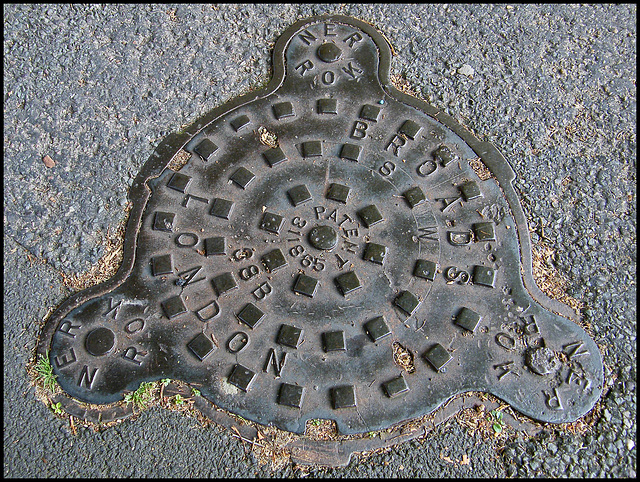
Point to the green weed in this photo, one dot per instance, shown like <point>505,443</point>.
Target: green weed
<point>495,417</point>
<point>45,373</point>
<point>142,396</point>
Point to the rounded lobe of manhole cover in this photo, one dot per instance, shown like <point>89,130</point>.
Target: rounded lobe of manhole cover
<point>317,225</point>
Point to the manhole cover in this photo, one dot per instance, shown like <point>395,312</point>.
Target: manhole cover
<point>333,249</point>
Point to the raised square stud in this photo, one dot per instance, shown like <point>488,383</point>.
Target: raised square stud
<point>240,122</point>
<point>338,192</point>
<point>376,253</point>
<point>205,149</point>
<point>470,190</point>
<point>438,356</point>
<point>312,149</point>
<point>173,307</point>
<point>327,106</point>
<point>407,302</point>
<point>271,222</point>
<point>274,260</point>
<point>242,177</point>
<point>468,319</point>
<point>201,346</point>
<point>377,328</point>
<point>347,282</point>
<point>305,285</point>
<point>223,283</point>
<point>370,112</point>
<point>283,110</point>
<point>484,276</point>
<point>215,246</point>
<point>410,129</point>
<point>299,195</point>
<point>350,152</point>
<point>163,221</point>
<point>484,231</point>
<point>289,336</point>
<point>425,269</point>
<point>333,341</point>
<point>241,377</point>
<point>414,196</point>
<point>161,265</point>
<point>290,395</point>
<point>250,315</point>
<point>179,182</point>
<point>274,156</point>
<point>370,215</point>
<point>221,208</point>
<point>395,387</point>
<point>343,397</point>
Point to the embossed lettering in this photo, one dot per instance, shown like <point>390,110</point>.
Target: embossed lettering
<point>459,238</point>
<point>249,272</point>
<point>306,65</point>
<point>452,274</point>
<point>449,202</point>
<point>353,38</point>
<point>428,232</point>
<point>328,30</point>
<point>351,70</point>
<point>240,254</point>
<point>359,130</point>
<point>87,377</point>
<point>352,233</point>
<point>574,350</point>
<point>583,382</point>
<point>237,342</point>
<point>333,215</point>
<point>299,223</point>
<point>66,326</point>
<point>187,240</point>
<point>395,144</point>
<point>262,291</point>
<point>531,328</point>
<point>328,77</point>
<point>306,36</point>
<point>189,197</point>
<point>186,277</point>
<point>214,309</point>
<point>553,401</point>
<point>506,369</point>
<point>113,308</point>
<point>134,326</point>
<point>349,246</point>
<point>131,354</point>
<point>341,262</point>
<point>319,210</point>
<point>272,360</point>
<point>346,218</point>
<point>63,361</point>
<point>387,168</point>
<point>427,168</point>
<point>505,341</point>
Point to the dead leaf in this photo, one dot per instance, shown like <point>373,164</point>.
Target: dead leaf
<point>48,161</point>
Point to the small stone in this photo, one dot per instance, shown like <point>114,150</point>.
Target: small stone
<point>48,161</point>
<point>552,448</point>
<point>466,70</point>
<point>630,444</point>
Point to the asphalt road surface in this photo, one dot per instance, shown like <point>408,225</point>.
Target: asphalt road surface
<point>96,88</point>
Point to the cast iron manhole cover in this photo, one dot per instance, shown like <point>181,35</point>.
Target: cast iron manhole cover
<point>333,249</point>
